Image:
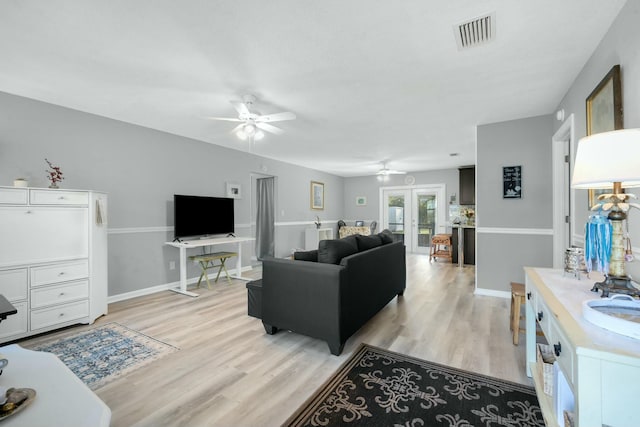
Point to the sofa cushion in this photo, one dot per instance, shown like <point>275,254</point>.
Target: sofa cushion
<point>368,242</point>
<point>353,240</point>
<point>332,251</point>
<point>386,236</point>
<point>306,255</point>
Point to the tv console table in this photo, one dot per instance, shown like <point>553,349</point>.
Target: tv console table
<point>187,244</point>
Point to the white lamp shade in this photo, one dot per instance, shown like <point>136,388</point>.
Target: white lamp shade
<point>608,157</point>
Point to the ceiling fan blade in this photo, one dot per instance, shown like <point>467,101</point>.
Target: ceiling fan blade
<point>226,119</point>
<point>241,108</point>
<point>277,117</point>
<point>269,128</point>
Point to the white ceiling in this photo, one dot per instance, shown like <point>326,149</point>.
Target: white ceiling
<point>368,80</point>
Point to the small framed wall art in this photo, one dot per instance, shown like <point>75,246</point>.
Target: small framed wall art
<point>361,201</point>
<point>234,190</point>
<point>317,195</point>
<point>512,182</point>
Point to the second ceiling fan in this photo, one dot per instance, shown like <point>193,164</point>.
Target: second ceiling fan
<point>385,171</point>
<point>251,122</point>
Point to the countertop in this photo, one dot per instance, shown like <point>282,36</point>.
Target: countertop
<point>461,225</point>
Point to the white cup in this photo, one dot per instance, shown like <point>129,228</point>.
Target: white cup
<point>20,182</point>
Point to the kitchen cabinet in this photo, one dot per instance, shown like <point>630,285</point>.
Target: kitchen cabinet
<point>469,245</point>
<point>467,185</point>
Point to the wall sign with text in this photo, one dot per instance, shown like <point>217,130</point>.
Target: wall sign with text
<point>512,182</point>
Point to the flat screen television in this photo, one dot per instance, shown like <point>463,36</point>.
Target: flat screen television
<point>202,216</point>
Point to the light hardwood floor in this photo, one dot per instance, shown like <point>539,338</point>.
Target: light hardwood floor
<point>228,372</point>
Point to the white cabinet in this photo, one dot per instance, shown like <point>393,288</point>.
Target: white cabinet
<point>53,258</point>
<point>602,368</point>
<point>312,237</point>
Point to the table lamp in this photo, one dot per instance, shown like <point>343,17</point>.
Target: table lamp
<point>605,160</point>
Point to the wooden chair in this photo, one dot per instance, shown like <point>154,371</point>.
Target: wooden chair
<point>440,247</point>
<point>518,299</point>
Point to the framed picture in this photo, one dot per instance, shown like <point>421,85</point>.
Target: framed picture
<point>512,182</point>
<point>359,223</point>
<point>604,104</point>
<point>233,190</point>
<point>361,201</point>
<point>317,195</point>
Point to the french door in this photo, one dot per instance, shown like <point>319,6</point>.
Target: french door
<point>413,214</point>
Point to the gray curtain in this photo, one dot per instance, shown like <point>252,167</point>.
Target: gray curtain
<point>265,220</point>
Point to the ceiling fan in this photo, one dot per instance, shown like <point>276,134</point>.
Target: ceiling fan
<point>252,124</point>
<point>384,171</point>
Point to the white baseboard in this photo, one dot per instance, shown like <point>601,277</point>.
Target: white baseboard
<point>492,293</point>
<point>159,288</point>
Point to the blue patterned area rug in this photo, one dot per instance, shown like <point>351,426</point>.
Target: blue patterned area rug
<point>377,387</point>
<point>100,355</point>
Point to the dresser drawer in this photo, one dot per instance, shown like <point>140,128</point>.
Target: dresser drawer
<point>543,315</point>
<point>46,317</point>
<point>16,323</point>
<point>559,342</point>
<point>58,197</point>
<point>13,196</point>
<point>13,284</point>
<point>51,295</point>
<point>62,272</point>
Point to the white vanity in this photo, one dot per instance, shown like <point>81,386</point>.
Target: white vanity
<point>602,368</point>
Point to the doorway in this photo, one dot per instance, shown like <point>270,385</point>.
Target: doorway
<point>413,214</point>
<point>563,200</point>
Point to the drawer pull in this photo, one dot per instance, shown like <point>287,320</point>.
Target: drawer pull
<point>61,315</point>
<point>557,348</point>
<point>61,273</point>
<point>528,295</point>
<point>540,316</point>
<point>61,198</point>
<point>61,294</point>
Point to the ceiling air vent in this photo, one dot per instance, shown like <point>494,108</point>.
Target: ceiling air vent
<point>476,32</point>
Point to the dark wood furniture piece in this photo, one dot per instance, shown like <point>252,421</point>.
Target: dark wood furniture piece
<point>467,185</point>
<point>469,248</point>
<point>6,308</point>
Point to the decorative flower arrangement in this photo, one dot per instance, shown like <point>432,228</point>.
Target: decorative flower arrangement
<point>54,174</point>
<point>317,222</point>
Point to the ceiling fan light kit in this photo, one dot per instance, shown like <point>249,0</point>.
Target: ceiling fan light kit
<point>252,124</point>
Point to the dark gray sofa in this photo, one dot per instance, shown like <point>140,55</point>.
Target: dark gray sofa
<point>332,301</point>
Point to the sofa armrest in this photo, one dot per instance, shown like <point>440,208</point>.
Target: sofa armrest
<point>302,296</point>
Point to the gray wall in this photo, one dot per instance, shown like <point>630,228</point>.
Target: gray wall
<point>621,45</point>
<point>141,169</point>
<point>369,186</point>
<point>501,254</point>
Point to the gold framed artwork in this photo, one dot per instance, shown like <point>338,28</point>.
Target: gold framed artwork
<point>604,113</point>
<point>604,104</point>
<point>317,195</point>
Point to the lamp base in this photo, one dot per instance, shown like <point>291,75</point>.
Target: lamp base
<point>617,285</point>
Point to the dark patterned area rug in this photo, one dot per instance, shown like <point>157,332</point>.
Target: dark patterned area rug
<point>377,387</point>
<point>100,355</point>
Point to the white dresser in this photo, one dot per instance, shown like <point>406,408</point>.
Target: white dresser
<point>53,258</point>
<point>602,368</point>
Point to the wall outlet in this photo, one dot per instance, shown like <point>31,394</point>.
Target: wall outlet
<point>172,265</point>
